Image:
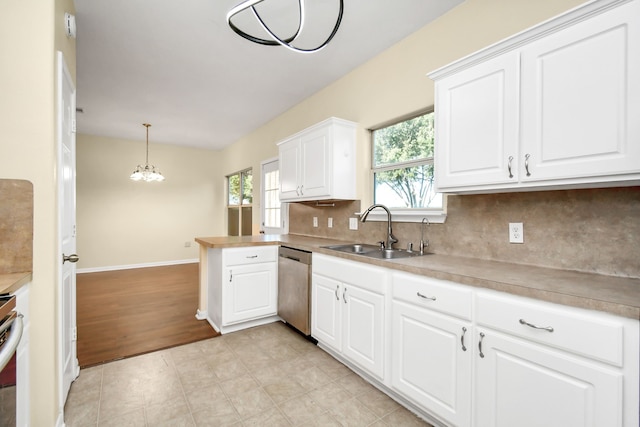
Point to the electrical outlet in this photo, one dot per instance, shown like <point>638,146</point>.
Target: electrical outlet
<point>353,223</point>
<point>516,232</point>
<point>330,223</point>
<point>315,221</point>
<point>187,244</point>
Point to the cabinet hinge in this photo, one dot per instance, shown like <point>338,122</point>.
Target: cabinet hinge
<point>73,125</point>
<point>74,334</point>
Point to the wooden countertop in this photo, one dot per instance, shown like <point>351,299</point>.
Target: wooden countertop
<point>11,282</point>
<point>611,294</point>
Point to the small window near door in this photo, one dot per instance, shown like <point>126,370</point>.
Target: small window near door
<point>274,212</point>
<point>239,203</point>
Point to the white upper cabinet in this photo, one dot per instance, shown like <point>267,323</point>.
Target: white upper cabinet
<point>319,162</point>
<point>552,107</point>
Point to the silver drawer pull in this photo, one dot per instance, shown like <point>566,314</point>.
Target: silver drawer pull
<point>480,344</point>
<point>425,297</point>
<point>531,325</point>
<point>251,256</point>
<point>344,291</point>
<point>464,331</point>
<point>509,166</point>
<point>337,297</point>
<point>526,163</point>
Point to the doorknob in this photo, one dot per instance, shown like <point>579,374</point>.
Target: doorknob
<point>71,258</point>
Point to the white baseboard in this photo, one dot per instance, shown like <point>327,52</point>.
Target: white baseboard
<point>130,266</point>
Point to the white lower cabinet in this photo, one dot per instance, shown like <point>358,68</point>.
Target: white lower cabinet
<point>464,356</point>
<point>243,292</point>
<point>431,347</point>
<point>348,311</point>
<point>529,385</point>
<point>540,364</point>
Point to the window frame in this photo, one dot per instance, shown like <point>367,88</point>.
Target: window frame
<point>241,205</point>
<point>434,215</point>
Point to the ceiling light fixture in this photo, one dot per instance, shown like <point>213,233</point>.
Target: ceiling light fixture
<point>286,42</point>
<point>147,173</point>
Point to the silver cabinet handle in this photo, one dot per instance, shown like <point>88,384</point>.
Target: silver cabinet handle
<point>480,344</point>
<point>509,166</point>
<point>298,190</point>
<point>425,297</point>
<point>464,331</point>
<point>531,325</point>
<point>230,275</point>
<point>526,163</point>
<point>251,256</point>
<point>302,190</point>
<point>337,297</point>
<point>344,291</point>
<point>71,258</point>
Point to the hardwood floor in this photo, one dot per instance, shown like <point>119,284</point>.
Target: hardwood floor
<point>129,312</point>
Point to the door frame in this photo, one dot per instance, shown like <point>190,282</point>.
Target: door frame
<point>62,74</point>
<point>284,207</point>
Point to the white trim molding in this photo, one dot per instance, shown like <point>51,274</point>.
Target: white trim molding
<point>130,266</point>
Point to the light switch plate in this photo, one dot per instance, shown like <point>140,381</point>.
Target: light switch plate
<point>353,223</point>
<point>330,223</point>
<point>315,221</point>
<point>516,232</point>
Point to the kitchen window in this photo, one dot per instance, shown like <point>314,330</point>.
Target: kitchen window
<point>239,203</point>
<point>402,166</point>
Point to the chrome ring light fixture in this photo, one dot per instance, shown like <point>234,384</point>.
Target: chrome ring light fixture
<point>277,41</point>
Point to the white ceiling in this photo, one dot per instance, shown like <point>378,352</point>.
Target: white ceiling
<point>177,65</point>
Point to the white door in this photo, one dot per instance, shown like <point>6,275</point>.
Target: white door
<point>326,312</point>
<point>249,292</point>
<point>477,124</point>
<point>273,212</point>
<point>432,356</point>
<point>316,167</point>
<point>363,319</point>
<point>66,94</point>
<point>580,98</point>
<point>523,384</point>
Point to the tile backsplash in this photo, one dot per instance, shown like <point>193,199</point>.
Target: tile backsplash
<point>590,230</point>
<point>16,226</point>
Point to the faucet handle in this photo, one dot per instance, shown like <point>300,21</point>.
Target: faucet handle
<point>410,247</point>
<point>381,243</point>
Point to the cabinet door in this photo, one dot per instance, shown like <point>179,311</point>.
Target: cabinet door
<point>363,326</point>
<point>326,312</point>
<point>429,364</point>
<point>249,292</point>
<point>529,385</point>
<point>477,124</point>
<point>581,99</point>
<point>289,163</point>
<point>315,159</point>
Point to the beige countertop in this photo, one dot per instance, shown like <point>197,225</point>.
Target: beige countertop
<point>615,295</point>
<point>11,282</point>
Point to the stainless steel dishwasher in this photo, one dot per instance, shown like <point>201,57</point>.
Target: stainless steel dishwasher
<point>294,288</point>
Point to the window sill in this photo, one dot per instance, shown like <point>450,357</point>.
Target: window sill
<point>408,215</point>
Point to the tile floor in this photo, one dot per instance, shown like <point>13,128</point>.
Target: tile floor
<point>264,376</point>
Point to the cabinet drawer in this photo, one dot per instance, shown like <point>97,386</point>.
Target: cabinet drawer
<point>593,335</point>
<point>368,277</point>
<point>250,255</point>
<point>439,295</point>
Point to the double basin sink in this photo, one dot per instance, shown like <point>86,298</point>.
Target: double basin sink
<point>373,251</point>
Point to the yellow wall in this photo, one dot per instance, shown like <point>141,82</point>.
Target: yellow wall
<point>30,33</point>
<point>394,83</point>
<point>122,222</point>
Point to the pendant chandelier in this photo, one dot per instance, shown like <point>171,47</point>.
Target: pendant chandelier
<point>275,40</point>
<point>146,173</point>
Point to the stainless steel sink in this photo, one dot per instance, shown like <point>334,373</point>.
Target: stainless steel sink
<point>373,251</point>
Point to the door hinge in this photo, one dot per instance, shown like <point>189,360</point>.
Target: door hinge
<point>74,334</point>
<point>73,125</point>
